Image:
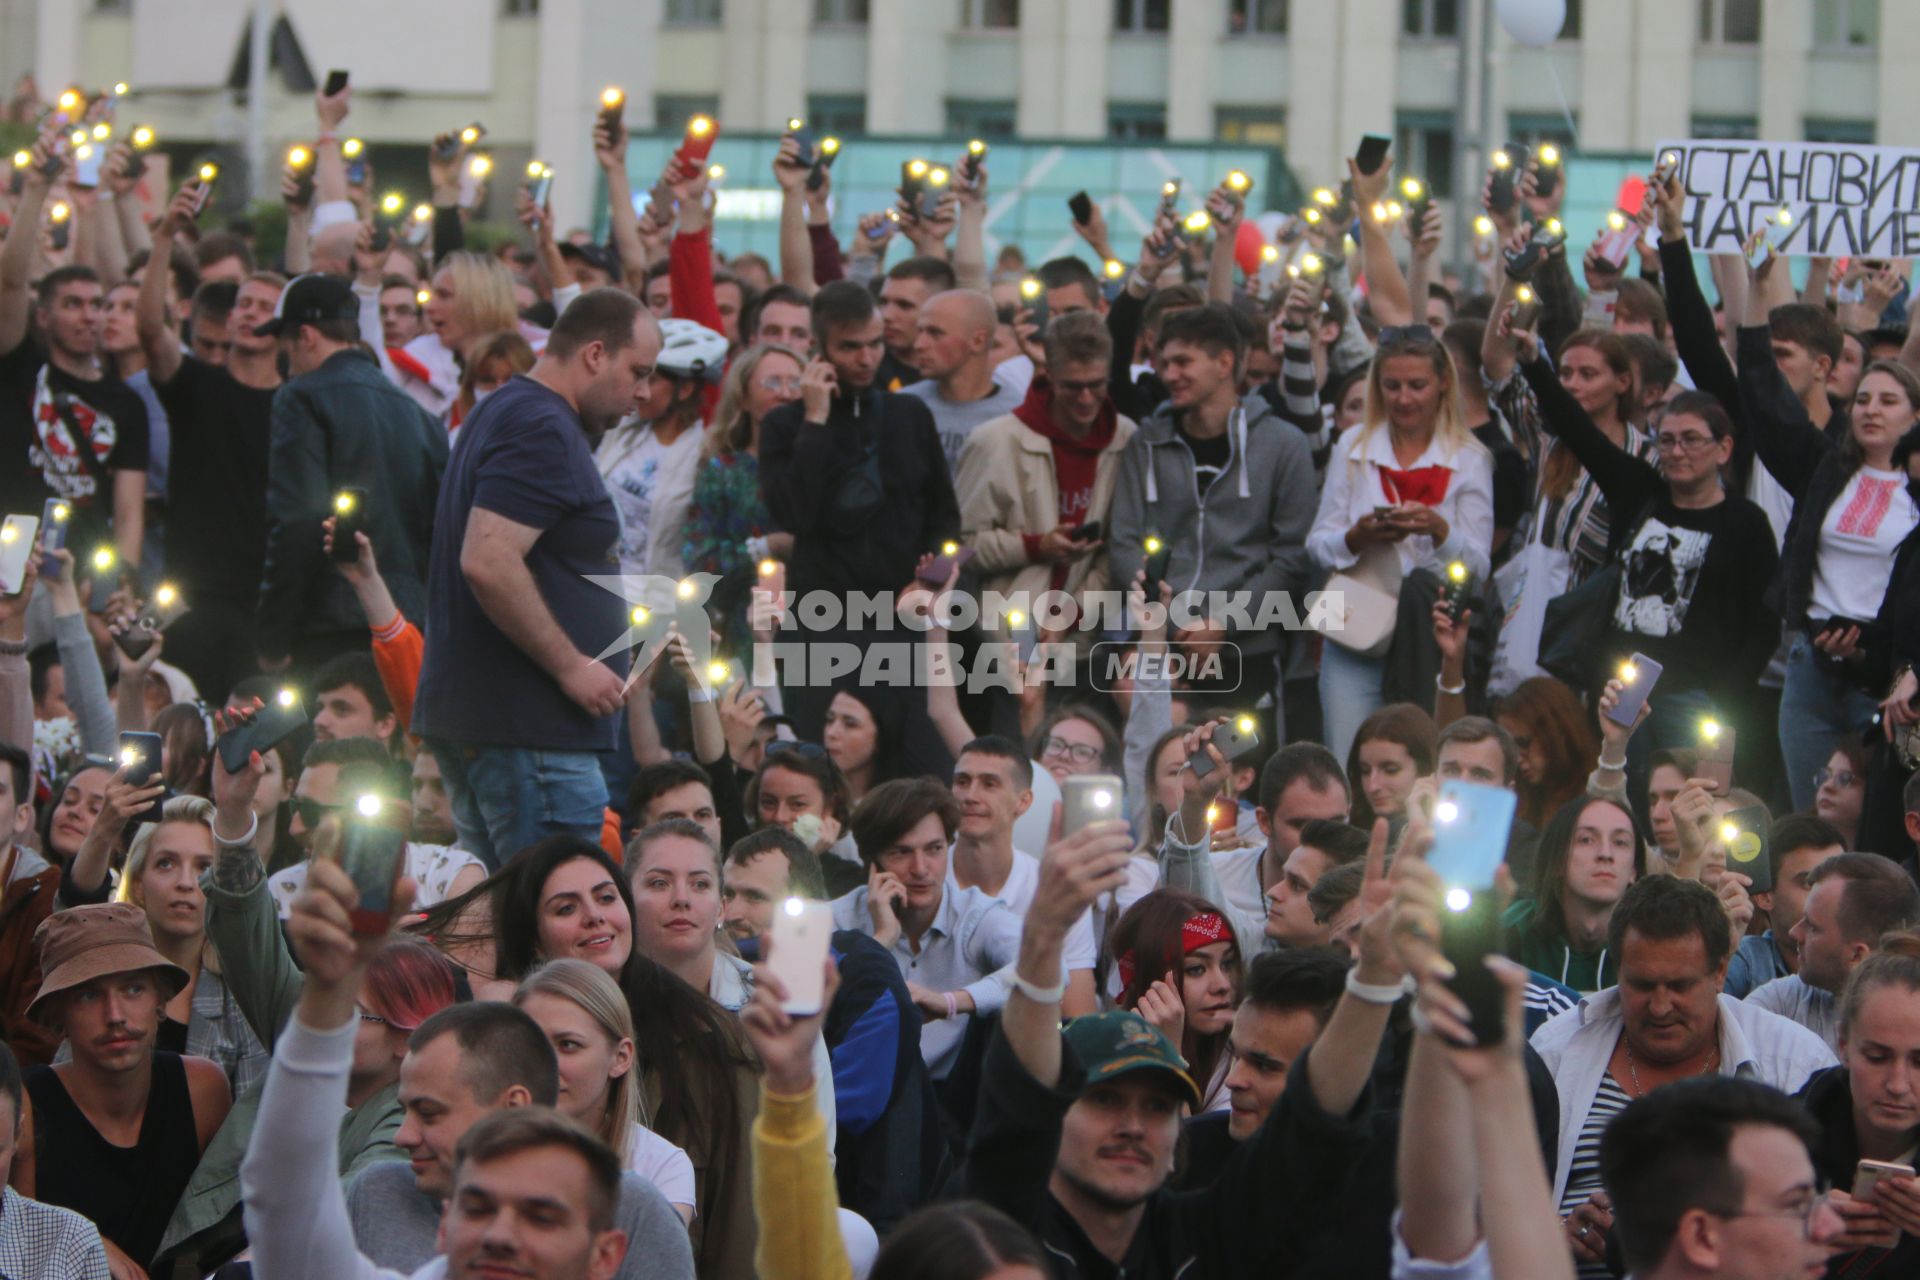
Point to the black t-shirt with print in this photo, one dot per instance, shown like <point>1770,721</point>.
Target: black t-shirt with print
<point>39,451</point>
<point>1210,457</point>
<point>217,480</point>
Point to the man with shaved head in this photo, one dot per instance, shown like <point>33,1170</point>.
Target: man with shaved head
<point>954,353</point>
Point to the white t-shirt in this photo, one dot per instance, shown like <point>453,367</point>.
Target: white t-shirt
<point>433,868</point>
<point>1858,537</point>
<point>1023,882</point>
<point>651,485</point>
<point>663,1164</point>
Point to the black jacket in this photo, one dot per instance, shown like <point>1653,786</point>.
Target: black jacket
<point>1276,1197</point>
<point>345,424</point>
<point>1828,1095</point>
<point>865,496</point>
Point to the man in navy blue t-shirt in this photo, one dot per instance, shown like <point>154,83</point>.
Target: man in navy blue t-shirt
<point>511,699</point>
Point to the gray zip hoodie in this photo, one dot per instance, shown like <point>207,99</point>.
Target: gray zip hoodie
<point>1247,532</point>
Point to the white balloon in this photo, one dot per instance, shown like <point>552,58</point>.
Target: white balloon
<point>1535,23</point>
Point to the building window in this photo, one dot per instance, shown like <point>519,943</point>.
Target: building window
<point>1423,147</point>
<point>840,13</point>
<point>693,13</point>
<point>1431,19</point>
<point>1745,128</point>
<point>1136,121</point>
<point>520,8</point>
<point>1729,21</point>
<point>1257,17</point>
<point>673,110</point>
<point>1535,128</point>
<point>1251,126</point>
<point>1857,133</point>
<point>1141,15</point>
<point>839,113</point>
<point>989,15</point>
<point>113,6</point>
<point>980,118</point>
<point>1846,24</point>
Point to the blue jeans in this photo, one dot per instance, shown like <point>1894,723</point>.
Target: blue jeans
<point>1349,693</point>
<point>506,798</point>
<point>1819,709</point>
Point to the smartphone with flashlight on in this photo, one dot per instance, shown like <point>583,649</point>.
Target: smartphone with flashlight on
<point>140,757</point>
<point>161,612</point>
<point>1232,740</point>
<point>1508,164</point>
<point>53,524</point>
<point>16,549</point>
<point>349,518</point>
<point>373,850</point>
<point>1471,827</point>
<point>273,724</point>
<point>801,934</point>
<point>1458,590</point>
<point>1159,560</point>
<point>1637,676</point>
<point>1087,798</point>
<point>952,556</point>
<point>1715,754</point>
<point>1743,834</point>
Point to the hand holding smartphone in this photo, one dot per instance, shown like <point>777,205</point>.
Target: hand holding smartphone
<point>373,849</point>
<point>1234,739</point>
<point>16,551</point>
<point>1715,754</point>
<point>1471,827</point>
<point>1637,676</point>
<point>1088,798</point>
<point>797,954</point>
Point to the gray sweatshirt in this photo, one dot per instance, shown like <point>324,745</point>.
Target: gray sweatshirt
<point>296,1212</point>
<point>1246,533</point>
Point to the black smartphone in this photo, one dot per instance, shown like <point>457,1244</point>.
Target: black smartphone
<point>448,145</point>
<point>1232,740</point>
<point>1743,833</point>
<point>613,105</point>
<point>336,81</point>
<point>161,612</point>
<point>140,757</point>
<point>809,149</point>
<point>1080,204</point>
<point>931,193</point>
<point>1372,153</point>
<point>1837,624</point>
<point>975,157</point>
<point>373,848</point>
<point>823,157</point>
<point>1637,675</point>
<point>349,518</point>
<point>1088,532</point>
<point>1159,559</point>
<point>1457,590</point>
<point>1033,296</point>
<point>1546,170</point>
<point>913,181</point>
<point>278,720</point>
<point>1508,164</point>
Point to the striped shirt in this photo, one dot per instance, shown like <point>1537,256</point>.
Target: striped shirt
<point>1583,1174</point>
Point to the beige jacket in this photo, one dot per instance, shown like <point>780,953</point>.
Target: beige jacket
<point>1007,488</point>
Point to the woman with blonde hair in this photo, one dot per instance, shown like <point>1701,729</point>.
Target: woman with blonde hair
<point>585,1016</point>
<point>471,299</point>
<point>494,359</point>
<point>1409,490</point>
<point>726,512</point>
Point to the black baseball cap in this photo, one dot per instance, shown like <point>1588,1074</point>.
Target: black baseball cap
<point>594,255</point>
<point>310,299</point>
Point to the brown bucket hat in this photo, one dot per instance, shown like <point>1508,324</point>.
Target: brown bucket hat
<point>83,943</point>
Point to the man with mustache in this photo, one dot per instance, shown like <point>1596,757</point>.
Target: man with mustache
<point>1667,1020</point>
<point>114,1134</point>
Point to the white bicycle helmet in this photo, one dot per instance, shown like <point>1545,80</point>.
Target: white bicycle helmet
<point>690,350</point>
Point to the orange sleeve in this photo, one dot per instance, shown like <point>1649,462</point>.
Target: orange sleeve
<point>610,837</point>
<point>397,650</point>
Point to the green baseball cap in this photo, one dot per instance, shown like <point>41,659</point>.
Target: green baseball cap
<point>1119,1042</point>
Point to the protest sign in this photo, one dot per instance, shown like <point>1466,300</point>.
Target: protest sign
<point>1839,200</point>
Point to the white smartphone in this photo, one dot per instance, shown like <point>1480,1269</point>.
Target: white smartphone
<point>1868,1172</point>
<point>16,548</point>
<point>802,931</point>
<point>1089,797</point>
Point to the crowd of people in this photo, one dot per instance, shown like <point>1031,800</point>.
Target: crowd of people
<point>434,692</point>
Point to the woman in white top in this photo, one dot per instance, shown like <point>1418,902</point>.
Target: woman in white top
<point>650,463</point>
<point>1409,480</point>
<point>1853,509</point>
<point>471,299</point>
<point>586,1017</point>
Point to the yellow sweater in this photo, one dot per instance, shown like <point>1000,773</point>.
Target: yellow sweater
<point>794,1197</point>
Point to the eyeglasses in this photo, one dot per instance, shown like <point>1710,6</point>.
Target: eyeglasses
<point>1692,442</point>
<point>1407,335</point>
<point>1092,387</point>
<point>1842,778</point>
<point>1078,752</point>
<point>1806,1213</point>
<point>805,750</point>
<point>311,811</point>
<point>778,385</point>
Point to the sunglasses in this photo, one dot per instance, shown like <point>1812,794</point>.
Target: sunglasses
<point>310,812</point>
<point>786,746</point>
<point>1407,335</point>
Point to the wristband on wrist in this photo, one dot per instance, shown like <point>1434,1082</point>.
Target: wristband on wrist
<point>699,693</point>
<point>239,841</point>
<point>13,648</point>
<point>1609,766</point>
<point>953,1006</point>
<point>1037,993</point>
<point>1375,992</point>
<point>1451,690</point>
